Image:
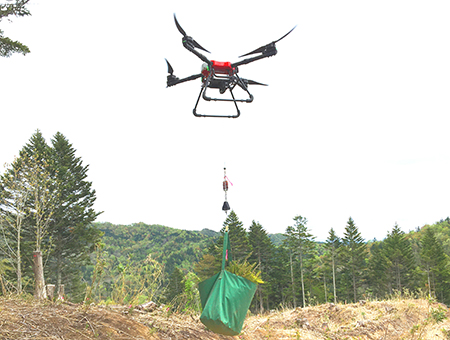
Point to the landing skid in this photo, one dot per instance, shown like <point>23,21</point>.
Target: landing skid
<point>222,83</point>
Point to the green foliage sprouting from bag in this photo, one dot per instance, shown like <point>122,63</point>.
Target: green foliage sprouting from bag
<point>246,270</point>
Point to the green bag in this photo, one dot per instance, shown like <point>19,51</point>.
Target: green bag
<point>225,298</point>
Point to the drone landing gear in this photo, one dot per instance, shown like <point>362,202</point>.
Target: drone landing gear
<point>222,83</point>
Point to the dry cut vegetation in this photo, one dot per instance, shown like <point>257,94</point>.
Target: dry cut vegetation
<point>387,320</point>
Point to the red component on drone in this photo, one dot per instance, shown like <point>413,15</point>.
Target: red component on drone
<point>205,73</point>
<point>222,67</point>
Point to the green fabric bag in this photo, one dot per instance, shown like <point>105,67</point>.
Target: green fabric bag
<point>225,298</point>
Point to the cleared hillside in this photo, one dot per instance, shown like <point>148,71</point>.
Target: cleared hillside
<point>388,320</point>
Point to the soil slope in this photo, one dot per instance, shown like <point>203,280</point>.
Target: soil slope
<point>388,320</point>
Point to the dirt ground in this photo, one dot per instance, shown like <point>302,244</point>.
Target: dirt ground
<point>387,320</point>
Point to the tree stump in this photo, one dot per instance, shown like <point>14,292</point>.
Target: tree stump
<point>61,292</point>
<point>39,282</point>
<point>51,291</point>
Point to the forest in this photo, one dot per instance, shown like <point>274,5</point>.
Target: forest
<point>297,271</point>
<point>46,213</point>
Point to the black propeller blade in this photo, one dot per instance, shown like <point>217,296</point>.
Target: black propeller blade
<point>169,68</point>
<point>252,82</point>
<point>180,29</point>
<point>188,38</point>
<point>263,48</point>
<point>243,83</point>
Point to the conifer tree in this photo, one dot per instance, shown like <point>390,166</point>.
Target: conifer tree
<point>354,255</point>
<point>7,45</point>
<point>401,260</point>
<point>240,245</point>
<point>333,244</point>
<point>378,269</point>
<point>37,172</point>
<point>435,263</point>
<point>301,243</point>
<point>320,268</point>
<point>262,252</point>
<point>175,286</point>
<point>14,199</point>
<point>57,213</point>
<point>279,280</point>
<point>73,233</point>
<point>209,264</point>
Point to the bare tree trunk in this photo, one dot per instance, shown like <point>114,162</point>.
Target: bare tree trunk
<point>292,279</point>
<point>325,287</point>
<point>301,276</point>
<point>3,285</point>
<point>18,227</point>
<point>38,269</point>
<point>61,292</point>
<point>261,306</point>
<point>334,281</point>
<point>19,264</point>
<point>58,274</point>
<point>398,277</point>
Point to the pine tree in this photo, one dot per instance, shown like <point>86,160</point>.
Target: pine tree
<point>14,199</point>
<point>175,286</point>
<point>435,263</point>
<point>35,165</point>
<point>354,255</point>
<point>57,213</point>
<point>240,245</point>
<point>208,264</point>
<point>378,269</point>
<point>73,233</point>
<point>262,252</point>
<point>401,260</point>
<point>240,248</point>
<point>8,46</point>
<point>333,244</point>
<point>320,268</point>
<point>279,280</point>
<point>301,243</point>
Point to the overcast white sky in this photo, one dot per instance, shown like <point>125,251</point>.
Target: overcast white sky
<point>354,122</point>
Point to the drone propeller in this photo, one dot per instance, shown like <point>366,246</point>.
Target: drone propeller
<point>265,47</point>
<point>243,83</point>
<point>252,82</point>
<point>187,38</point>
<point>169,68</point>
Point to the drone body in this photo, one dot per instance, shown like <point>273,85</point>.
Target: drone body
<point>220,75</point>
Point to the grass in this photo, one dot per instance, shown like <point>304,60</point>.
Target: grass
<point>397,318</point>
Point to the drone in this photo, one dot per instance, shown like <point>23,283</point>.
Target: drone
<point>220,75</point>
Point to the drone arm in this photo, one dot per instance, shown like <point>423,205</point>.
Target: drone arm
<point>173,80</point>
<point>190,44</point>
<point>266,51</point>
<point>187,43</point>
<point>267,54</point>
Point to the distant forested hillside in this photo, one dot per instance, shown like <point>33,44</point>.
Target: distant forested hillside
<point>297,270</point>
<point>276,239</point>
<point>171,247</point>
<point>175,248</point>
